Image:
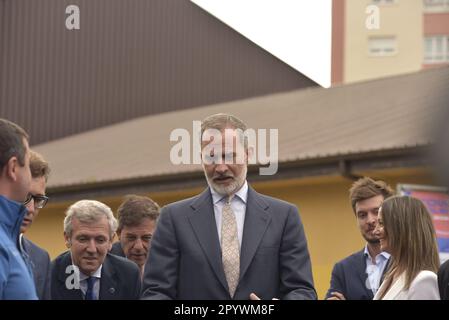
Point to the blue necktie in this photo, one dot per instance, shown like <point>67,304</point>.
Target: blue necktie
<point>90,288</point>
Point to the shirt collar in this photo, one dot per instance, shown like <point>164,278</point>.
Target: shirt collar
<point>384,254</point>
<point>96,274</point>
<point>242,193</point>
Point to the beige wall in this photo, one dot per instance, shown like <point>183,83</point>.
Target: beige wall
<point>404,19</point>
<point>329,223</point>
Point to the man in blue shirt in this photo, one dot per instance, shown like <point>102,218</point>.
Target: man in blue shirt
<point>16,280</point>
<point>358,276</point>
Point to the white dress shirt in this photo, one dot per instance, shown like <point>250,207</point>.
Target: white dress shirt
<point>238,205</point>
<point>375,270</point>
<point>83,282</point>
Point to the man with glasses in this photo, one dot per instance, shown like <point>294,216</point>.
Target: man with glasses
<point>137,219</point>
<point>36,200</point>
<point>16,279</point>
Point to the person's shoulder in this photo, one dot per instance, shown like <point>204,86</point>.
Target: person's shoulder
<point>61,262</point>
<point>35,248</point>
<point>61,258</point>
<point>186,202</point>
<point>121,263</point>
<point>351,259</point>
<point>272,201</point>
<point>425,275</point>
<point>5,240</point>
<point>425,281</point>
<point>444,267</point>
<point>117,249</point>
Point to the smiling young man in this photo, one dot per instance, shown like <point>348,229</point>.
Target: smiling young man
<point>89,227</point>
<point>358,276</point>
<point>229,242</point>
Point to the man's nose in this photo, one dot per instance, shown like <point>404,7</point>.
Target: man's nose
<point>138,244</point>
<point>221,168</point>
<point>372,218</point>
<point>91,246</point>
<point>30,207</point>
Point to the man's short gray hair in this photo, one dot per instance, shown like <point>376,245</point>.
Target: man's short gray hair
<point>87,211</point>
<point>222,121</point>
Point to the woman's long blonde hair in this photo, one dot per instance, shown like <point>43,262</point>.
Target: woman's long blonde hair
<point>411,238</point>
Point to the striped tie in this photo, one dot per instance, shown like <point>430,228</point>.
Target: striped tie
<point>230,247</point>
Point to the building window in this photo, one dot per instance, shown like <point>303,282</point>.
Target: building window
<point>382,46</point>
<point>436,5</point>
<point>436,49</point>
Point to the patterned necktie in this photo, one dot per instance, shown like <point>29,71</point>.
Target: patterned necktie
<point>230,253</point>
<point>90,288</point>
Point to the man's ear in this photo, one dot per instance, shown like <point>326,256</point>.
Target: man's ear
<point>10,169</point>
<point>68,242</point>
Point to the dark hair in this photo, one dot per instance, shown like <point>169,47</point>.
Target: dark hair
<point>366,188</point>
<point>38,166</point>
<point>134,209</point>
<point>11,142</point>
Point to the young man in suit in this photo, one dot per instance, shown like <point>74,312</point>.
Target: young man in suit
<point>40,260</point>
<point>358,276</point>
<point>137,218</point>
<point>229,242</point>
<point>16,280</point>
<point>87,271</point>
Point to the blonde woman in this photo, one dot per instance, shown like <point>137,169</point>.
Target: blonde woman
<point>405,230</point>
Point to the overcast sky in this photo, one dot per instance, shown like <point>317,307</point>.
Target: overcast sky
<point>296,31</point>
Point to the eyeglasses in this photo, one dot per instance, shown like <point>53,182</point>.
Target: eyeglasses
<point>39,200</point>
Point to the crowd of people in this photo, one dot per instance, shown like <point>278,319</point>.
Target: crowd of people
<point>229,242</point>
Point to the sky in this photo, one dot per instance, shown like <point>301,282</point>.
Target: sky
<point>298,32</point>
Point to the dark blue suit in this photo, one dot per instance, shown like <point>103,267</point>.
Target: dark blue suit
<point>117,250</point>
<point>349,277</point>
<point>120,279</point>
<point>40,263</point>
<point>443,280</point>
<point>185,257</point>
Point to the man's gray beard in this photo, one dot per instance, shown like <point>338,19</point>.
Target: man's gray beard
<point>232,188</point>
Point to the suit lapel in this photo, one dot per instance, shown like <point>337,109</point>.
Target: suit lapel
<point>257,220</point>
<point>66,293</point>
<point>26,245</point>
<point>363,275</point>
<point>108,283</point>
<point>396,288</point>
<point>384,272</point>
<point>202,220</point>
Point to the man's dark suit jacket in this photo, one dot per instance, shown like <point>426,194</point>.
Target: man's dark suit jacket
<point>349,277</point>
<point>185,256</point>
<point>120,279</point>
<point>40,262</point>
<point>117,250</point>
<point>443,280</point>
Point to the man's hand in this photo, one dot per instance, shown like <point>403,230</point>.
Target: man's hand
<point>253,296</point>
<point>336,296</point>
